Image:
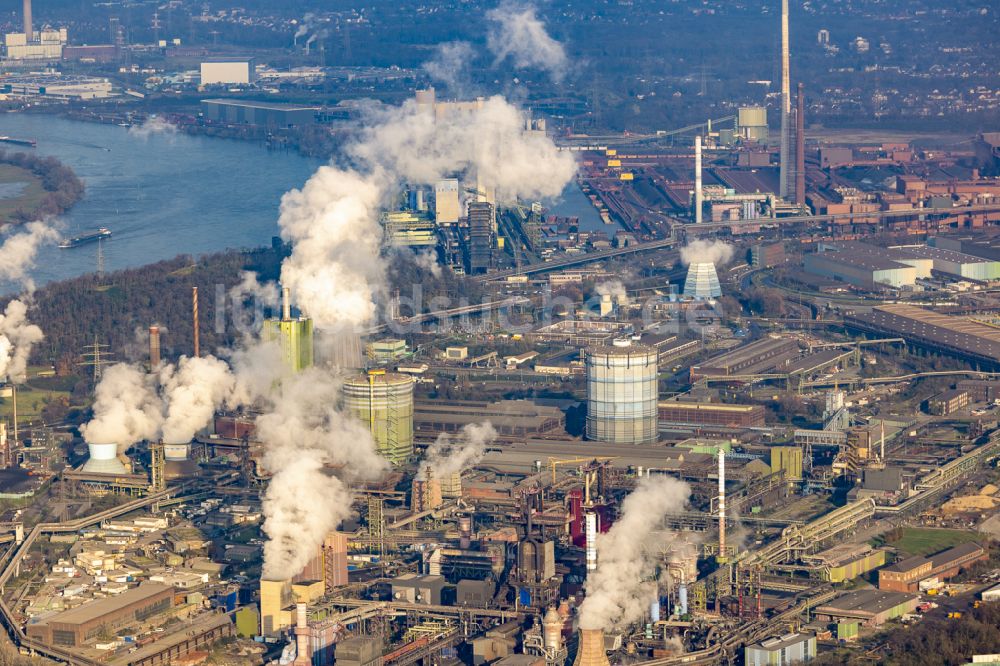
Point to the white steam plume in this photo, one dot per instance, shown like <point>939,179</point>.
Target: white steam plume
<point>448,455</point>
<point>19,249</point>
<point>517,33</point>
<point>620,590</point>
<point>335,271</point>
<point>315,453</point>
<point>702,251</point>
<point>192,391</point>
<point>17,337</point>
<point>612,288</point>
<point>126,408</point>
<point>450,66</point>
<point>152,125</point>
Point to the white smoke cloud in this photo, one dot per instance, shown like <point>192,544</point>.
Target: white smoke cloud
<point>20,247</point>
<point>702,251</point>
<point>518,34</point>
<point>450,66</point>
<point>335,271</point>
<point>315,453</point>
<point>17,337</point>
<point>126,408</point>
<point>152,125</point>
<point>428,261</point>
<point>192,391</point>
<point>620,590</point>
<point>448,455</point>
<point>613,288</point>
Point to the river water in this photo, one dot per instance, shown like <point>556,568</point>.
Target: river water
<point>170,193</point>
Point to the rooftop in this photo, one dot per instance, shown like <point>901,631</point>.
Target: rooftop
<point>100,607</point>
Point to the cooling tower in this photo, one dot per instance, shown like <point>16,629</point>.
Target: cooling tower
<point>621,394</point>
<point>591,650</point>
<point>104,460</point>
<point>384,401</point>
<point>702,281</point>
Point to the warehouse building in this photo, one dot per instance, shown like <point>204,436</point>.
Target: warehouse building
<point>956,336</point>
<point>870,607</point>
<point>847,561</point>
<point>85,624</point>
<point>782,651</point>
<point>860,269</point>
<point>228,72</point>
<point>767,255</point>
<point>510,418</point>
<point>948,402</point>
<point>905,576</point>
<point>262,114</point>
<point>756,357</point>
<point>701,413</point>
<point>948,261</point>
<point>980,390</point>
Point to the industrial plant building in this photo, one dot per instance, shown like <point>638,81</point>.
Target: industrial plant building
<point>905,575</point>
<point>261,114</point>
<point>781,651</point>
<point>228,72</point>
<point>294,336</point>
<point>704,413</point>
<point>510,418</point>
<point>756,356</point>
<point>872,608</point>
<point>860,269</point>
<point>85,624</point>
<point>952,335</point>
<point>384,402</point>
<point>702,282</point>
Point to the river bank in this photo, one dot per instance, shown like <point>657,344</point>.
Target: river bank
<point>35,187</point>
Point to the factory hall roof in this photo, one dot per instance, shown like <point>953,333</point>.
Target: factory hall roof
<point>865,603</point>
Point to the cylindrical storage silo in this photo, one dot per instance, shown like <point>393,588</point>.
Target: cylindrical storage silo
<point>104,459</point>
<point>622,393</point>
<point>384,402</point>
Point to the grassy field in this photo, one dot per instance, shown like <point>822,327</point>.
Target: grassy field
<point>31,396</point>
<point>921,541</point>
<point>29,197</point>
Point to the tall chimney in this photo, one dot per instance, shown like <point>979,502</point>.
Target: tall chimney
<point>303,648</point>
<point>591,650</point>
<point>286,305</point>
<point>154,346</point>
<point>697,180</point>
<point>800,146</point>
<point>722,504</point>
<point>29,32</point>
<point>786,103</point>
<point>194,320</point>
<point>591,520</point>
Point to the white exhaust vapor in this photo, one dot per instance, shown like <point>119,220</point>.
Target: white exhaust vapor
<point>518,34</point>
<point>619,591</point>
<point>314,453</point>
<point>192,391</point>
<point>126,408</point>
<point>708,252</point>
<point>449,455</point>
<point>17,337</point>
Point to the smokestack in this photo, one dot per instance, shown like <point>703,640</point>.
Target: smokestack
<point>303,649</point>
<point>800,147</point>
<point>28,30</point>
<point>154,346</point>
<point>722,504</point>
<point>697,180</point>
<point>591,542</point>
<point>286,306</point>
<point>194,322</point>
<point>591,651</point>
<point>786,103</point>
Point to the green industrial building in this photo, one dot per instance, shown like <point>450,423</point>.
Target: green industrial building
<point>295,336</point>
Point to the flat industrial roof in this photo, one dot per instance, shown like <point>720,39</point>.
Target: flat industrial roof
<point>252,104</point>
<point>867,602</point>
<point>709,406</point>
<point>913,322</point>
<point>101,607</point>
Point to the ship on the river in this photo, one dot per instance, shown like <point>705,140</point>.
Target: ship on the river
<point>100,234</point>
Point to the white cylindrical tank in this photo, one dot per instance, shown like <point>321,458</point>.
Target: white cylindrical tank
<point>622,394</point>
<point>383,401</point>
<point>104,459</point>
<point>682,599</point>
<point>654,610</point>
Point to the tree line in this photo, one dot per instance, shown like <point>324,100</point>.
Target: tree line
<point>62,186</point>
